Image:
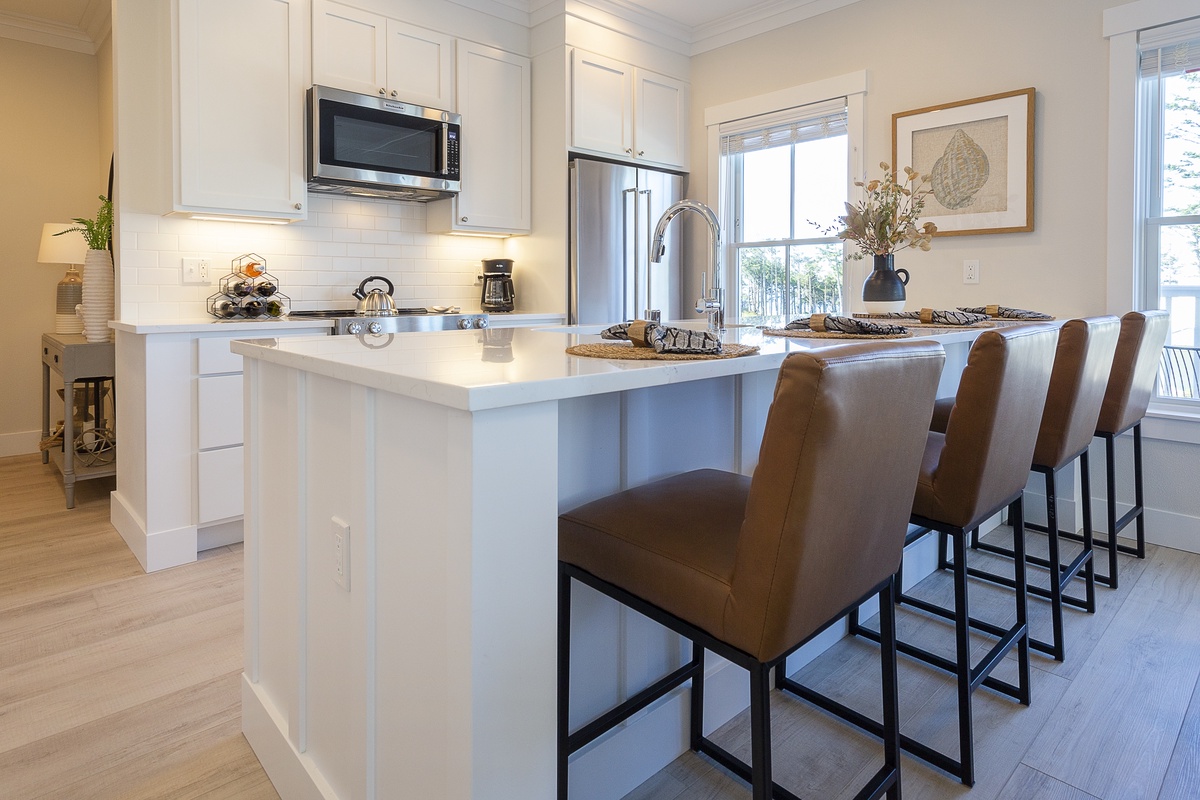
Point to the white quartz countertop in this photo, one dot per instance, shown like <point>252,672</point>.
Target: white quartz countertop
<point>255,327</point>
<point>476,370</point>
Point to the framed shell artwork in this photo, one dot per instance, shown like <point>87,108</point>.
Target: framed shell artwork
<point>978,154</point>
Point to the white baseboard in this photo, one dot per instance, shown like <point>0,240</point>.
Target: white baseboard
<point>21,443</point>
<point>293,774</point>
<point>155,551</point>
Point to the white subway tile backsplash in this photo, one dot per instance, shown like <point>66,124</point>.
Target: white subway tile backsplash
<point>317,262</point>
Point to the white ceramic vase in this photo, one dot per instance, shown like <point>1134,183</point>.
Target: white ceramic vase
<point>98,295</point>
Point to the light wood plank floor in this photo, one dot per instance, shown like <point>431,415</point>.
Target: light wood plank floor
<point>113,683</point>
<point>117,684</point>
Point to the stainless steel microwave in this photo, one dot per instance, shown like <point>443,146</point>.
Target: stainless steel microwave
<point>375,147</point>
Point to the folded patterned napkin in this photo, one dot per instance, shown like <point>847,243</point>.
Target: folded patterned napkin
<point>664,339</point>
<point>1003,312</point>
<point>936,316</point>
<point>834,324</point>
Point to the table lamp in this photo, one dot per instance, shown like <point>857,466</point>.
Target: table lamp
<point>69,249</point>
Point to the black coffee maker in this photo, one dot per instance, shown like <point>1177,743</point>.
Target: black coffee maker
<point>498,294</point>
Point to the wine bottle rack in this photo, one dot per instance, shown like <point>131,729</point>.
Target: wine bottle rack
<point>248,291</point>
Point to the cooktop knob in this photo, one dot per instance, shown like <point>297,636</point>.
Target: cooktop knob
<point>354,328</point>
<point>464,323</point>
<point>375,327</point>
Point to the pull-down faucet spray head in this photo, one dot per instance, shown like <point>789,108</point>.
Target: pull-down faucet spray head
<point>712,303</point>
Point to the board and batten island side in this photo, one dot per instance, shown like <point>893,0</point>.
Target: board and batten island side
<point>402,496</point>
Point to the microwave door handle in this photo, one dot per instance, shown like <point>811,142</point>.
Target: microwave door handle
<point>445,149</point>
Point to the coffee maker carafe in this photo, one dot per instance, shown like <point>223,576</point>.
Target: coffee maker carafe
<point>498,294</point>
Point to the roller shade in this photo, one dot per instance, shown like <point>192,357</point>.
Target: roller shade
<point>784,128</point>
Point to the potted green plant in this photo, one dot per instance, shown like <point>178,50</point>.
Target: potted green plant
<point>98,289</point>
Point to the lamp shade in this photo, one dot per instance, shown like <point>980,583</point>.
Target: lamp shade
<point>70,248</point>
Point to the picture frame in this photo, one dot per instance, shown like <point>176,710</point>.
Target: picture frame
<point>979,156</point>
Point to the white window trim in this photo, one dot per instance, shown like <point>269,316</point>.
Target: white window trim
<point>1121,27</point>
<point>852,86</point>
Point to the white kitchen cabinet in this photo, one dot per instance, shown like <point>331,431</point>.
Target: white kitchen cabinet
<point>219,484</point>
<point>627,112</point>
<point>494,101</point>
<point>359,51</point>
<point>219,407</point>
<point>240,123</point>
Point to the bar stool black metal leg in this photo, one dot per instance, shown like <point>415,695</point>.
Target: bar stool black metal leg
<point>1057,646</point>
<point>564,677</point>
<point>1089,567</point>
<point>1110,473</point>
<point>891,703</point>
<point>1138,494</point>
<point>962,649</point>
<point>1016,513</point>
<point>760,731</point>
<point>697,722</point>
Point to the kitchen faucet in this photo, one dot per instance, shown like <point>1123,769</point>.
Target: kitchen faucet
<point>711,303</point>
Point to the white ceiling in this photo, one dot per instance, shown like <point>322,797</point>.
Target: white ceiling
<point>697,25</point>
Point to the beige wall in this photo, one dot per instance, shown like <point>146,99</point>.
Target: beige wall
<point>49,131</point>
<point>920,53</point>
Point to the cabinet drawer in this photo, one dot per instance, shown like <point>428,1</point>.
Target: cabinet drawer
<point>220,493</point>
<point>219,411</point>
<point>214,356</point>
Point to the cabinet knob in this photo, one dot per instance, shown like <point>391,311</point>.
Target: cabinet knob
<point>628,151</point>
<point>641,152</point>
<point>393,92</point>
<point>383,91</point>
<point>298,206</point>
<point>462,219</point>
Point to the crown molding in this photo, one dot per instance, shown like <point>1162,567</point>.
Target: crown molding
<point>97,21</point>
<point>758,19</point>
<point>516,11</point>
<point>44,32</point>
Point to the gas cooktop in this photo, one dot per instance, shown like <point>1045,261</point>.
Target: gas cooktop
<point>347,320</point>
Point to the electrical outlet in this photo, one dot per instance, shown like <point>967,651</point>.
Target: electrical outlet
<point>341,553</point>
<point>971,270</point>
<point>195,270</point>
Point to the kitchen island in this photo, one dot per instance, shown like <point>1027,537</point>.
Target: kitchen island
<point>402,496</point>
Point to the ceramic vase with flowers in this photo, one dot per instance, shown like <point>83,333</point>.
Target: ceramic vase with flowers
<point>885,221</point>
<point>98,284</point>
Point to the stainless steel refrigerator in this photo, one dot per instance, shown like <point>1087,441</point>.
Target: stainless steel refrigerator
<point>613,211</point>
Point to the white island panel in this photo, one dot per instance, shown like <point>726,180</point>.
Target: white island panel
<point>450,455</point>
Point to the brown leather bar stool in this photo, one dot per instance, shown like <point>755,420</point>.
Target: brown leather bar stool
<point>752,568</point>
<point>969,473</point>
<point>1082,361</point>
<point>1130,386</point>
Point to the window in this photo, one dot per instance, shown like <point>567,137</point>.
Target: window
<point>1169,108</point>
<point>785,183</point>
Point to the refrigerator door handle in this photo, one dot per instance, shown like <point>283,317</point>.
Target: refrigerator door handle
<point>626,312</point>
<point>645,244</point>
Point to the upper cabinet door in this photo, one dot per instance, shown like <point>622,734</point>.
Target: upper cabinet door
<point>420,66</point>
<point>349,48</point>
<point>660,119</point>
<point>601,104</point>
<point>494,100</point>
<point>242,74</point>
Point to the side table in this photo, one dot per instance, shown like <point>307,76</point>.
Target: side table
<point>76,359</point>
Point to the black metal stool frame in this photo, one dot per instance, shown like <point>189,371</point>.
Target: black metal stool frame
<point>1137,513</point>
<point>1081,566</point>
<point>969,678</point>
<point>885,782</point>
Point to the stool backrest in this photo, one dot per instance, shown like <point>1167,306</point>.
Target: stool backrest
<point>990,435</point>
<point>830,498</point>
<point>1082,362</point>
<point>1143,334</point>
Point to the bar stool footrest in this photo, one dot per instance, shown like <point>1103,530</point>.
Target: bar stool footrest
<point>707,747</point>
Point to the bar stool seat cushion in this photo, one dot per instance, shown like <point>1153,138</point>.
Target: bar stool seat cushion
<point>633,539</point>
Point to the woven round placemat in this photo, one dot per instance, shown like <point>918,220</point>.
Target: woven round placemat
<point>626,351</point>
<point>916,323</point>
<point>833,334</point>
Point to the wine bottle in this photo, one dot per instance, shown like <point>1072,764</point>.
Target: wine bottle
<point>242,288</point>
<point>225,308</point>
<point>253,307</point>
<point>265,288</point>
<point>275,308</point>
